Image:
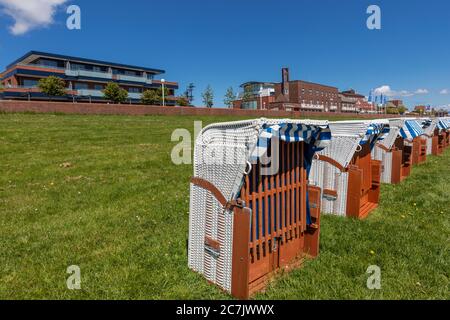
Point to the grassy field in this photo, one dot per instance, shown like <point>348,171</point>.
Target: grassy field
<point>101,192</point>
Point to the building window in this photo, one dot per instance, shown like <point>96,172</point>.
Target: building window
<point>48,63</point>
<point>28,83</point>
<point>81,86</point>
<point>98,87</point>
<point>250,105</point>
<point>134,90</point>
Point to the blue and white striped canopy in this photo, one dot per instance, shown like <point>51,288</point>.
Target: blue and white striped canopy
<point>443,125</point>
<point>411,130</point>
<point>318,135</point>
<point>375,132</point>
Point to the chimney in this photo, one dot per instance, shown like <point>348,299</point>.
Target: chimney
<point>285,82</point>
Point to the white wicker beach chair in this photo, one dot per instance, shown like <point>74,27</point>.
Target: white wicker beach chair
<point>232,232</point>
<point>385,151</point>
<point>335,168</point>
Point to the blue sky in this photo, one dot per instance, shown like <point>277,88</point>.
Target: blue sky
<point>226,42</point>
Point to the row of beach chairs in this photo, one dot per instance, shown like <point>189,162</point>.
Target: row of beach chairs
<point>260,186</point>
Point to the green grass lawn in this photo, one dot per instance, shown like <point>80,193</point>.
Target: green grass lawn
<point>118,208</point>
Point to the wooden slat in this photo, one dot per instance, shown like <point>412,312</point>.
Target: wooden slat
<point>283,198</point>
<point>254,173</point>
<point>266,209</point>
<point>260,206</point>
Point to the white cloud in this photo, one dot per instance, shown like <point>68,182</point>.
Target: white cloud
<point>387,91</point>
<point>421,91</point>
<point>405,93</point>
<point>444,107</point>
<point>30,14</point>
<point>444,91</point>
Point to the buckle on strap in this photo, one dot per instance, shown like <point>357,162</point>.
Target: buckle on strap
<point>230,205</point>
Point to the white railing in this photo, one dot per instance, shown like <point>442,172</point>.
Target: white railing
<point>312,106</point>
<point>86,73</point>
<point>134,78</point>
<point>134,95</point>
<point>90,93</point>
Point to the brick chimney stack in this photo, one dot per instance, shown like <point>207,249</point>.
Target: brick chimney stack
<point>285,83</point>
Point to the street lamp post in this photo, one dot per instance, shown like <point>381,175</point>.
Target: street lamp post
<point>163,96</point>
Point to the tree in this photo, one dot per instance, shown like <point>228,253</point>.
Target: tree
<point>153,96</point>
<point>247,95</point>
<point>391,110</point>
<point>182,102</point>
<point>52,86</point>
<point>230,97</point>
<point>402,109</point>
<point>189,93</point>
<point>115,93</point>
<point>208,97</point>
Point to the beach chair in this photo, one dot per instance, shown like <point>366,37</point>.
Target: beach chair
<point>345,172</point>
<point>253,213</point>
<point>395,162</point>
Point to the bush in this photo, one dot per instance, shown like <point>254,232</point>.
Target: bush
<point>115,93</point>
<point>52,86</point>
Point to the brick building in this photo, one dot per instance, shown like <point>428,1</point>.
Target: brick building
<point>365,106</point>
<point>296,95</point>
<point>351,101</point>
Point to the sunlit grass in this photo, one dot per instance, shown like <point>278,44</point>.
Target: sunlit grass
<point>101,192</point>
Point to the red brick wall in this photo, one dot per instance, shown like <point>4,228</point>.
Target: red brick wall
<point>124,109</point>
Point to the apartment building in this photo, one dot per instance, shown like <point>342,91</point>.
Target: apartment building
<point>84,78</point>
<point>255,95</point>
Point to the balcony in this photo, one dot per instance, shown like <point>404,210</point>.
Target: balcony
<point>134,79</point>
<point>30,89</point>
<point>134,95</point>
<point>90,93</point>
<point>90,74</point>
<point>312,106</point>
<point>39,66</point>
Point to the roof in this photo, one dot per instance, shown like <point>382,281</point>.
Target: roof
<point>352,93</point>
<point>257,82</point>
<point>315,83</point>
<point>32,55</point>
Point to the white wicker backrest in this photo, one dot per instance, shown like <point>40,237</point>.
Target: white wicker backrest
<point>430,129</point>
<point>346,138</point>
<point>394,130</point>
